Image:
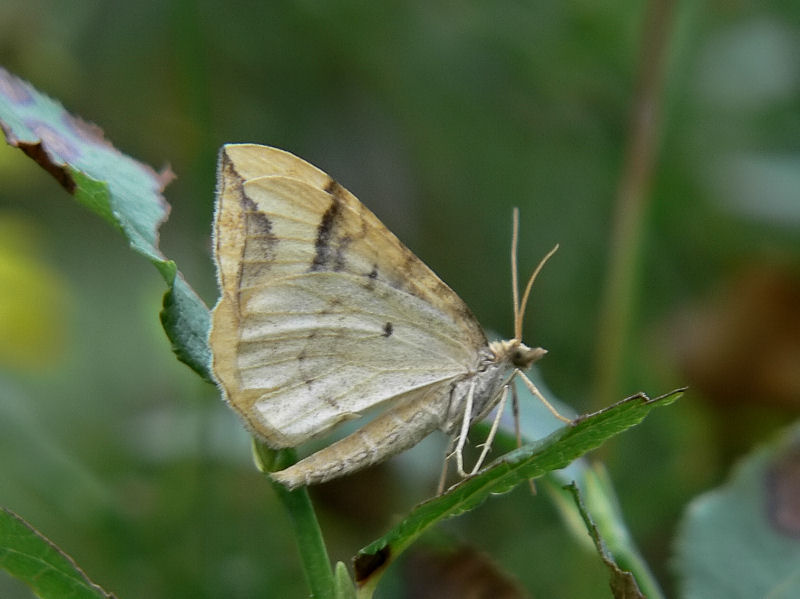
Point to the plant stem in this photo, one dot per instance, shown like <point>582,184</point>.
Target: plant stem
<point>622,579</point>
<point>618,304</point>
<point>313,552</point>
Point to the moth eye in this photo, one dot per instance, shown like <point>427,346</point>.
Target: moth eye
<point>521,358</point>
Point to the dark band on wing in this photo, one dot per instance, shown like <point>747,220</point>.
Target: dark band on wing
<point>259,245</point>
<point>329,250</point>
<point>332,239</point>
<point>323,253</point>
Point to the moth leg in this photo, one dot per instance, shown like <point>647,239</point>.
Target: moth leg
<point>462,437</point>
<point>488,444</point>
<point>515,411</point>
<point>532,388</point>
<point>443,476</point>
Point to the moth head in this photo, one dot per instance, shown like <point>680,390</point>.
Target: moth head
<point>517,353</point>
<point>523,356</point>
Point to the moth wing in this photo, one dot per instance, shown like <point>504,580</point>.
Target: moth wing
<point>324,313</point>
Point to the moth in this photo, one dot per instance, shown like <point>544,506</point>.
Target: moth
<point>325,316</point>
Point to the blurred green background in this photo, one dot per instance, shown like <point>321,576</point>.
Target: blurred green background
<point>440,116</point>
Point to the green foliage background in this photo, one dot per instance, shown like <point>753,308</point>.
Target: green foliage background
<point>439,116</point>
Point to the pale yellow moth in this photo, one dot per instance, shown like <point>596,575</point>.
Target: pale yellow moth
<point>324,315</point>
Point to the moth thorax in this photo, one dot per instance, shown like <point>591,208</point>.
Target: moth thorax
<point>516,352</point>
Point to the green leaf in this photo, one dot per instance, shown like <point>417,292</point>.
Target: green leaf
<point>186,320</point>
<point>591,479</point>
<point>529,461</point>
<point>34,559</point>
<point>123,191</point>
<point>741,540</point>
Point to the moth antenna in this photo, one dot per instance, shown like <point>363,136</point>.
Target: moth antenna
<point>521,310</point>
<point>514,276</point>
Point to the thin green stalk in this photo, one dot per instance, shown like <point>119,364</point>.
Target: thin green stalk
<point>617,312</point>
<point>193,88</point>
<point>601,502</point>
<point>313,553</point>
